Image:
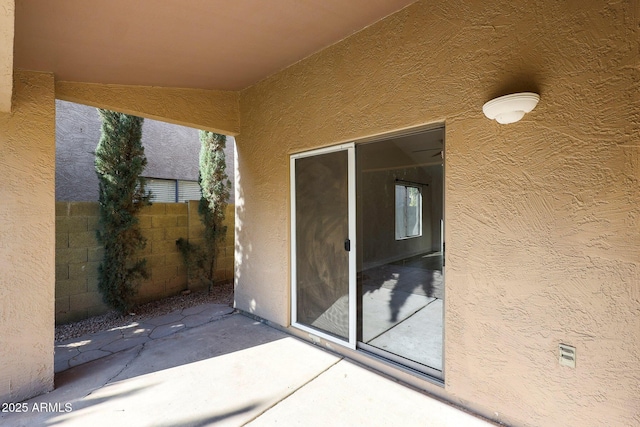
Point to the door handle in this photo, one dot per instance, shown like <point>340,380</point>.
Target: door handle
<point>347,245</point>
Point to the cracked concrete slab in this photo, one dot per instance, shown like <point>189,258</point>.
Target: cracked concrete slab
<point>126,343</point>
<point>136,330</point>
<point>99,340</point>
<point>211,307</point>
<point>87,357</point>
<point>230,373</point>
<point>196,320</point>
<point>216,310</point>
<point>124,337</point>
<point>166,319</point>
<point>227,372</point>
<point>166,330</point>
<point>71,386</point>
<point>67,351</point>
<point>229,335</point>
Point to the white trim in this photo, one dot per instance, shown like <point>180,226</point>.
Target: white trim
<point>317,333</point>
<point>351,174</point>
<point>443,246</point>
<point>362,352</point>
<point>293,240</point>
<point>353,297</point>
<point>324,150</point>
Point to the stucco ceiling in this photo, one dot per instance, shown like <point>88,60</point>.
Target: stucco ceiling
<point>209,44</point>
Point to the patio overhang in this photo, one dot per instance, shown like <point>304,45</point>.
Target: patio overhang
<point>199,44</point>
<point>213,110</point>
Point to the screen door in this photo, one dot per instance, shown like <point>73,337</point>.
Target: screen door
<point>323,243</point>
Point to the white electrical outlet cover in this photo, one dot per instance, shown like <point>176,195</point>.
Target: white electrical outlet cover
<point>567,355</point>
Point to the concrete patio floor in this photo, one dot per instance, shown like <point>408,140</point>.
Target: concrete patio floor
<point>230,371</point>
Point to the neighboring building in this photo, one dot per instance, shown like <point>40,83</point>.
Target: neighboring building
<point>172,153</point>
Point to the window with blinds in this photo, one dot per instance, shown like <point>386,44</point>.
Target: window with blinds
<point>162,190</point>
<point>188,190</point>
<point>172,191</point>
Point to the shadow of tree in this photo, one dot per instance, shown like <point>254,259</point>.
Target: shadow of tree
<point>422,278</point>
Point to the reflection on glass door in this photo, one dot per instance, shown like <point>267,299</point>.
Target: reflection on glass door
<point>323,244</point>
<point>400,263</point>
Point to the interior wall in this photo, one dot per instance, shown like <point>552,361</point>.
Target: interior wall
<point>436,205</point>
<point>27,238</point>
<point>378,216</point>
<point>542,216</point>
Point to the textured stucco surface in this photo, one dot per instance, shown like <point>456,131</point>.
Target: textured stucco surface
<point>542,217</point>
<point>213,110</point>
<point>172,151</point>
<point>27,222</point>
<point>7,24</point>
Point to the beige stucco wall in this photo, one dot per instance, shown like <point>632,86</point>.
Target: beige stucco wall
<point>542,216</point>
<point>27,240</point>
<point>213,110</point>
<point>7,24</point>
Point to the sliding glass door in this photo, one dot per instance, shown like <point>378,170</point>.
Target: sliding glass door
<point>400,267</point>
<point>323,243</point>
<point>386,296</point>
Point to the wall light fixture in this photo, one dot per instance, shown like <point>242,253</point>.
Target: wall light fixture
<point>510,108</point>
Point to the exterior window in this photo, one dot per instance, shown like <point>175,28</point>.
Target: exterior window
<point>408,212</point>
<point>173,191</point>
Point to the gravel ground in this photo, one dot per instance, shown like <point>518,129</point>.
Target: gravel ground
<point>220,294</point>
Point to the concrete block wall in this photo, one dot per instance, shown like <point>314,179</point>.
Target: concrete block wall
<point>162,224</point>
<point>78,255</point>
<point>225,262</point>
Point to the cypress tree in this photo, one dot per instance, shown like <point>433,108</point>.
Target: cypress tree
<point>119,163</point>
<point>215,187</point>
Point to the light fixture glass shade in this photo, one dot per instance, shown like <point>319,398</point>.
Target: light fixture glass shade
<point>510,108</point>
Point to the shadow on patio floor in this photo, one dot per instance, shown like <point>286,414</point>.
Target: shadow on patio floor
<point>231,372</point>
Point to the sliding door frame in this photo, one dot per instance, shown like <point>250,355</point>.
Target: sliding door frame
<point>351,185</point>
<point>436,376</point>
